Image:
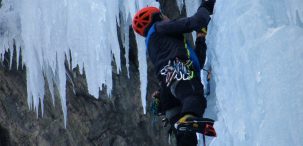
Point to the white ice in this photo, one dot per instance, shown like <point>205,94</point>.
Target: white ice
<point>256,51</point>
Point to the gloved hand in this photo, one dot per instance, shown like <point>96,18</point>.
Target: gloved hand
<point>202,32</point>
<point>209,5</point>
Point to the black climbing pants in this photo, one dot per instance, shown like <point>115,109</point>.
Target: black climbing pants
<point>191,99</point>
<point>191,96</point>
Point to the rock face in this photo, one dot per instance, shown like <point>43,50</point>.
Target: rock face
<point>108,121</point>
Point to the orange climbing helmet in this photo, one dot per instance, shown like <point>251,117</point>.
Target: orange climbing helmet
<point>143,19</point>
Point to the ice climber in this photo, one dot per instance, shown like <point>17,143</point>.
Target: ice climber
<point>181,96</point>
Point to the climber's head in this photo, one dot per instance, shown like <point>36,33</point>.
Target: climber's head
<point>144,19</point>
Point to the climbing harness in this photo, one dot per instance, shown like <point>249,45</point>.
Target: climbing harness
<point>177,70</point>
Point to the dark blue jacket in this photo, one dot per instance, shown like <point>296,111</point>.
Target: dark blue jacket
<point>167,41</point>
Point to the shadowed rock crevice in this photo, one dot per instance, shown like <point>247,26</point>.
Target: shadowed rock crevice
<point>4,137</point>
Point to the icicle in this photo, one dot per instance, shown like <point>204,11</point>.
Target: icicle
<point>180,4</point>
<point>126,43</point>
<point>50,28</point>
<point>143,69</point>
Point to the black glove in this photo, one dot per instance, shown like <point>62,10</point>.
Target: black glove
<point>200,50</point>
<point>209,5</point>
<point>155,104</point>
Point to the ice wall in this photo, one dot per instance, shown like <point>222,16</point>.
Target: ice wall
<point>256,50</point>
<point>46,30</point>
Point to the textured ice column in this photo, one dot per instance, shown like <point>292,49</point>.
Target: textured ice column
<point>49,74</point>
<point>32,55</point>
<point>256,48</point>
<point>192,6</point>
<point>180,4</point>
<point>133,8</point>
<point>142,68</point>
<point>126,45</point>
<point>92,37</point>
<point>126,22</point>
<point>191,9</point>
<point>9,30</point>
<point>142,51</point>
<point>43,28</point>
